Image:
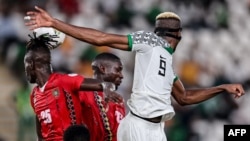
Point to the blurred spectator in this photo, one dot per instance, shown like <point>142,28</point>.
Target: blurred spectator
<point>26,127</point>
<point>8,34</point>
<point>69,7</point>
<point>152,13</point>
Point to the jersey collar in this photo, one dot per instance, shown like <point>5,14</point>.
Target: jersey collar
<point>170,50</point>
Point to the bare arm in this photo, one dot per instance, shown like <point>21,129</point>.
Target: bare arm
<point>90,84</point>
<point>97,85</point>
<point>41,18</point>
<point>38,130</point>
<point>194,96</point>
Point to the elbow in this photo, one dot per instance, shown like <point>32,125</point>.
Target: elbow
<point>101,40</point>
<point>184,101</point>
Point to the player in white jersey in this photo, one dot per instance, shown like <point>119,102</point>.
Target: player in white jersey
<point>154,78</point>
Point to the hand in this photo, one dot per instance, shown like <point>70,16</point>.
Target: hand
<point>112,96</point>
<point>39,18</point>
<point>235,89</point>
<point>109,92</point>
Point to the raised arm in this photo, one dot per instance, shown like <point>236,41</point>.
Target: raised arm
<point>41,18</point>
<point>194,96</point>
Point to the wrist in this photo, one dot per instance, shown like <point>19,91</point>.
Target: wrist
<point>54,22</point>
<point>221,88</point>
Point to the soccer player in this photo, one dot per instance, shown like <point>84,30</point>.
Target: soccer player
<point>102,118</point>
<point>154,78</point>
<point>76,133</point>
<point>55,98</point>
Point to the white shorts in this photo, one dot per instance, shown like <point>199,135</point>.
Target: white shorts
<point>133,128</point>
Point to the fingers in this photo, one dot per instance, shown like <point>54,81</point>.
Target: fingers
<point>31,24</point>
<point>114,98</point>
<point>29,17</point>
<point>32,13</point>
<point>39,9</point>
<point>238,91</point>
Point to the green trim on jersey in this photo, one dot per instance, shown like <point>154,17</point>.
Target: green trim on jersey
<point>169,49</point>
<point>176,78</point>
<point>130,42</point>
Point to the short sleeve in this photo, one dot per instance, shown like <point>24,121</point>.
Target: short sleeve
<point>71,81</point>
<point>176,78</point>
<point>142,41</point>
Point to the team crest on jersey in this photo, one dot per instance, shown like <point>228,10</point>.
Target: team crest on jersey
<point>55,92</point>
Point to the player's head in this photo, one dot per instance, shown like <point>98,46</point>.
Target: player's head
<point>37,57</point>
<point>76,133</point>
<point>168,26</point>
<point>108,67</point>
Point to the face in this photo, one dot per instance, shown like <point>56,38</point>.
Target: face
<point>29,67</point>
<point>176,25</point>
<point>113,73</point>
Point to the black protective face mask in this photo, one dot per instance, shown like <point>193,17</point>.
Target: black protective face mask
<point>163,31</point>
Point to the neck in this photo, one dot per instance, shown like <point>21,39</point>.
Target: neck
<point>98,76</point>
<point>171,43</point>
<point>42,78</point>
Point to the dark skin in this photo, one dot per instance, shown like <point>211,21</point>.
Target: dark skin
<point>108,71</point>
<point>37,68</point>
<point>38,72</point>
<point>40,18</point>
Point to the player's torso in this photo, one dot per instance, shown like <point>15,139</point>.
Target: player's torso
<point>153,71</point>
<point>56,109</point>
<point>93,117</point>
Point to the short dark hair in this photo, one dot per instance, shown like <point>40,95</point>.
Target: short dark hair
<point>104,59</point>
<point>76,133</point>
<point>107,57</point>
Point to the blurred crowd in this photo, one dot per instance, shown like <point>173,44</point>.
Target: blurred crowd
<point>214,50</point>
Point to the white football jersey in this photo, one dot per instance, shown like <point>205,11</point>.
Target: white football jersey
<point>153,76</point>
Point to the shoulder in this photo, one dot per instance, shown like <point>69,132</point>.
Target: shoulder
<point>142,34</point>
<point>65,76</point>
<point>147,37</point>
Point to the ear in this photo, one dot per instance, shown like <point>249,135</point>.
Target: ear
<point>102,69</point>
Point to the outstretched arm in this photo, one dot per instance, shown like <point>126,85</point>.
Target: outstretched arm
<point>97,85</point>
<point>194,96</point>
<point>41,18</point>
